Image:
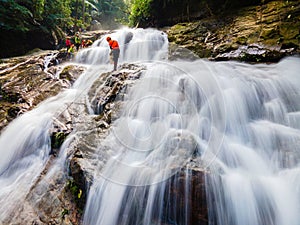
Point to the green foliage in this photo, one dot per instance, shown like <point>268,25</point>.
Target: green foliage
<point>57,139</point>
<point>140,11</point>
<point>75,190</point>
<point>64,213</point>
<point>29,15</point>
<point>56,13</point>
<point>15,17</point>
<point>38,9</point>
<point>107,11</point>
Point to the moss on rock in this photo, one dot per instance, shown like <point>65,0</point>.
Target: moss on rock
<point>273,25</point>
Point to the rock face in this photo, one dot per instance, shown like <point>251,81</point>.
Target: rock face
<point>263,33</point>
<point>106,103</point>
<point>26,81</point>
<point>186,190</point>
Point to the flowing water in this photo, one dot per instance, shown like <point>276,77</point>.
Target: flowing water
<point>238,123</point>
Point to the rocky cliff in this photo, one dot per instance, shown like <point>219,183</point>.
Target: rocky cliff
<point>263,33</point>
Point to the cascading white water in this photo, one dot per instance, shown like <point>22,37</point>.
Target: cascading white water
<point>135,45</point>
<point>25,145</point>
<point>241,120</point>
<point>260,153</point>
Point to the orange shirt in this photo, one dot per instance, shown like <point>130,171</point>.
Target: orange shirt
<point>113,44</point>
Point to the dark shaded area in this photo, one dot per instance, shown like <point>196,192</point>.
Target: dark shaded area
<point>15,43</point>
<point>166,13</point>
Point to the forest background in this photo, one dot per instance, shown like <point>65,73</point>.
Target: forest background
<point>29,24</point>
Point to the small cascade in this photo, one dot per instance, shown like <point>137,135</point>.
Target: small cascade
<point>50,59</point>
<point>135,45</point>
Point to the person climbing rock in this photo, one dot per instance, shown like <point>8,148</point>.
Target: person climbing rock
<point>71,51</point>
<point>68,43</point>
<point>115,51</point>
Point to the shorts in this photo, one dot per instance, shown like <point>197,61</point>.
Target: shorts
<point>115,54</point>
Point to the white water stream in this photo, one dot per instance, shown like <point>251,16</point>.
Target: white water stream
<point>241,121</point>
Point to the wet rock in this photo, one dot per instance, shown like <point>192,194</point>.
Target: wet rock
<point>113,87</point>
<point>95,25</point>
<point>87,157</point>
<point>28,80</point>
<point>186,191</point>
<point>255,53</point>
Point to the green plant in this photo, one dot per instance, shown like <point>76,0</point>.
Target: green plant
<point>140,11</point>
<point>64,212</point>
<point>75,190</point>
<point>57,139</point>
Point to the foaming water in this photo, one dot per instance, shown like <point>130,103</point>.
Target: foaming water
<point>260,152</point>
<point>239,119</point>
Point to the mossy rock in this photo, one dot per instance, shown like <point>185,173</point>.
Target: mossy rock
<point>226,47</point>
<point>242,40</point>
<point>65,74</point>
<point>270,33</point>
<point>289,30</point>
<point>290,44</point>
<point>57,139</point>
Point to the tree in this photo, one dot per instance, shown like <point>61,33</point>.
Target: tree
<point>141,12</point>
<point>107,11</point>
<point>38,9</point>
<point>15,17</point>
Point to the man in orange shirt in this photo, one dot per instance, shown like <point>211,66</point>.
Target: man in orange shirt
<point>115,51</point>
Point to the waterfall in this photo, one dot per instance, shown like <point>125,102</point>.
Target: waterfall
<point>237,123</point>
<point>240,120</point>
<point>25,144</point>
<point>135,45</point>
<point>260,152</point>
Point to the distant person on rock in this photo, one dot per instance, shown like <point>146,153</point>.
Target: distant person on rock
<point>88,43</point>
<point>115,51</point>
<point>77,41</point>
<point>71,51</point>
<point>83,43</point>
<point>68,44</point>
